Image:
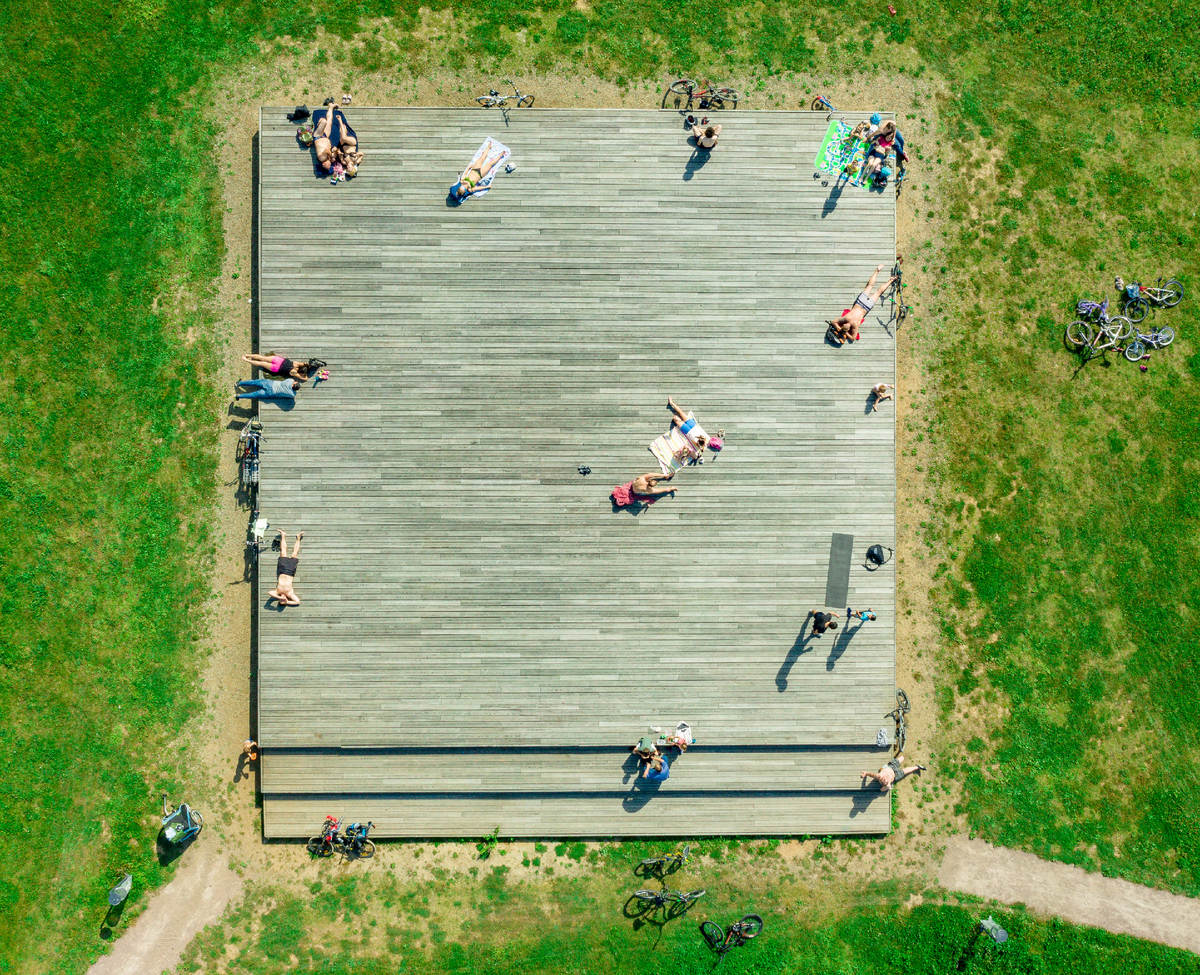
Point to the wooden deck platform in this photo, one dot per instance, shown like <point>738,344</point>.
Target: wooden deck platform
<point>482,636</point>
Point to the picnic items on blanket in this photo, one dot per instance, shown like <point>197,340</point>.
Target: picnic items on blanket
<point>498,151</point>
<point>844,151</point>
<point>304,135</point>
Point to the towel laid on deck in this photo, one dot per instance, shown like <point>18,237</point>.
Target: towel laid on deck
<point>498,151</point>
<point>340,124</point>
<point>624,496</point>
<point>675,450</point>
<point>839,150</point>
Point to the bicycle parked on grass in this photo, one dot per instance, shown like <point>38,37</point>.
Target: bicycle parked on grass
<point>677,900</point>
<point>738,934</point>
<point>669,862</point>
<point>1100,333</point>
<point>899,309</point>
<point>1159,338</point>
<point>1138,298</point>
<point>822,104</point>
<point>493,99</point>
<point>248,447</point>
<point>900,715</point>
<point>709,97</point>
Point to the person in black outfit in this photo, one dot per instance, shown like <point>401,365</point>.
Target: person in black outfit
<point>822,621</point>
<point>286,569</point>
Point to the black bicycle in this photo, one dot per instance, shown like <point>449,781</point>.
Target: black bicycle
<point>895,293</point>
<point>738,934</point>
<point>668,862</point>
<point>676,901</point>
<point>900,715</point>
<point>248,448</point>
<point>353,844</point>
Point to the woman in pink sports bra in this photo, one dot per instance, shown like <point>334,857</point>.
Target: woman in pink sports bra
<point>278,365</point>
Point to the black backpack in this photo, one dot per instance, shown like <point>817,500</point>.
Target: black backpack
<point>301,112</point>
<point>875,555</point>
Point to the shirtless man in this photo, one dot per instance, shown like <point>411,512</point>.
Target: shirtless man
<point>845,326</point>
<point>892,773</point>
<point>286,568</point>
<point>648,484</point>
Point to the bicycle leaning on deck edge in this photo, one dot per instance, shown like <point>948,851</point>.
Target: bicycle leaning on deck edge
<point>709,96</point>
<point>493,99</point>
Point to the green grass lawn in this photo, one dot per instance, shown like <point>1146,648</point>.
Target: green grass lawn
<point>1063,504</point>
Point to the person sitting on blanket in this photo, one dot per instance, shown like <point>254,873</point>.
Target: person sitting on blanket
<point>642,490</point>
<point>475,173</point>
<point>881,142</point>
<point>332,132</point>
<point>687,425</point>
<point>845,326</point>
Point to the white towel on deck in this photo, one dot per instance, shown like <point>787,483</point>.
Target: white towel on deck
<point>498,151</point>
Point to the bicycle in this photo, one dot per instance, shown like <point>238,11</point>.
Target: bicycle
<point>677,901</point>
<point>355,845</point>
<point>822,104</point>
<point>738,934</point>
<point>1138,298</point>
<point>1109,332</point>
<point>322,845</point>
<point>1160,338</point>
<point>900,715</point>
<point>493,99</point>
<point>249,444</point>
<point>669,862</point>
<point>899,310</point>
<point>709,97</point>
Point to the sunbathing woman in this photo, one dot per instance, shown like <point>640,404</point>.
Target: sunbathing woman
<point>278,365</point>
<point>349,158</point>
<point>687,425</point>
<point>881,143</point>
<point>475,174</point>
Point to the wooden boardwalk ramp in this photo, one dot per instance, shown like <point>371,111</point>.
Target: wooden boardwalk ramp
<point>482,636</point>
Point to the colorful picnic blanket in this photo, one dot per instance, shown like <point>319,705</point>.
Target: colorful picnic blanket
<point>674,450</point>
<point>839,150</point>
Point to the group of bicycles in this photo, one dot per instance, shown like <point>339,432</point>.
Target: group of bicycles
<point>676,902</point>
<point>1096,331</point>
<point>352,842</point>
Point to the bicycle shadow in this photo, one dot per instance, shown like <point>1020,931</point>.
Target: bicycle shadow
<point>799,647</point>
<point>644,913</point>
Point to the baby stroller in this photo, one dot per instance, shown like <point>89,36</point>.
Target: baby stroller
<point>181,826</point>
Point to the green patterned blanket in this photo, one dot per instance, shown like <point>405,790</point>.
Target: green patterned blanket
<point>839,150</point>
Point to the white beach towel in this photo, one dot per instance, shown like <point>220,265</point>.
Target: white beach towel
<point>498,151</point>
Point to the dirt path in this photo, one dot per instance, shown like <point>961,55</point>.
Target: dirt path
<point>976,867</point>
<point>197,896</point>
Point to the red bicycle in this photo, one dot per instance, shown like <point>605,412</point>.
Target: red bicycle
<point>709,97</point>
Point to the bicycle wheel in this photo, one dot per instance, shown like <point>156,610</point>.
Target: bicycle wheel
<point>318,846</point>
<point>728,95</point>
<point>1134,351</point>
<point>1172,293</point>
<point>1164,337</point>
<point>1080,334</point>
<point>750,925</point>
<point>684,86</point>
<point>818,105</point>
<point>647,895</point>
<point>366,850</point>
<point>901,733</point>
<point>1136,309</point>
<point>525,102</point>
<point>691,895</point>
<point>713,933</point>
<point>1118,328</point>
<point>487,101</point>
<point>902,699</point>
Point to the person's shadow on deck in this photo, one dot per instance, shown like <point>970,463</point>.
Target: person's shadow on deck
<point>643,790</point>
<point>860,802</point>
<point>698,159</point>
<point>799,647</point>
<point>831,201</point>
<point>841,643</point>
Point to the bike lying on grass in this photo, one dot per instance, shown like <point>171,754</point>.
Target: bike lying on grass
<point>1093,337</point>
<point>738,934</point>
<point>676,901</point>
<point>710,97</point>
<point>668,862</point>
<point>1138,298</point>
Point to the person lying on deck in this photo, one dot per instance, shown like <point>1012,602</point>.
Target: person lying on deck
<point>475,173</point>
<point>279,365</point>
<point>845,326</point>
<point>350,160</point>
<point>687,425</point>
<point>881,142</point>
<point>643,489</point>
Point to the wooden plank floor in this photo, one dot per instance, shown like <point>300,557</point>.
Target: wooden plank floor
<point>463,585</point>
